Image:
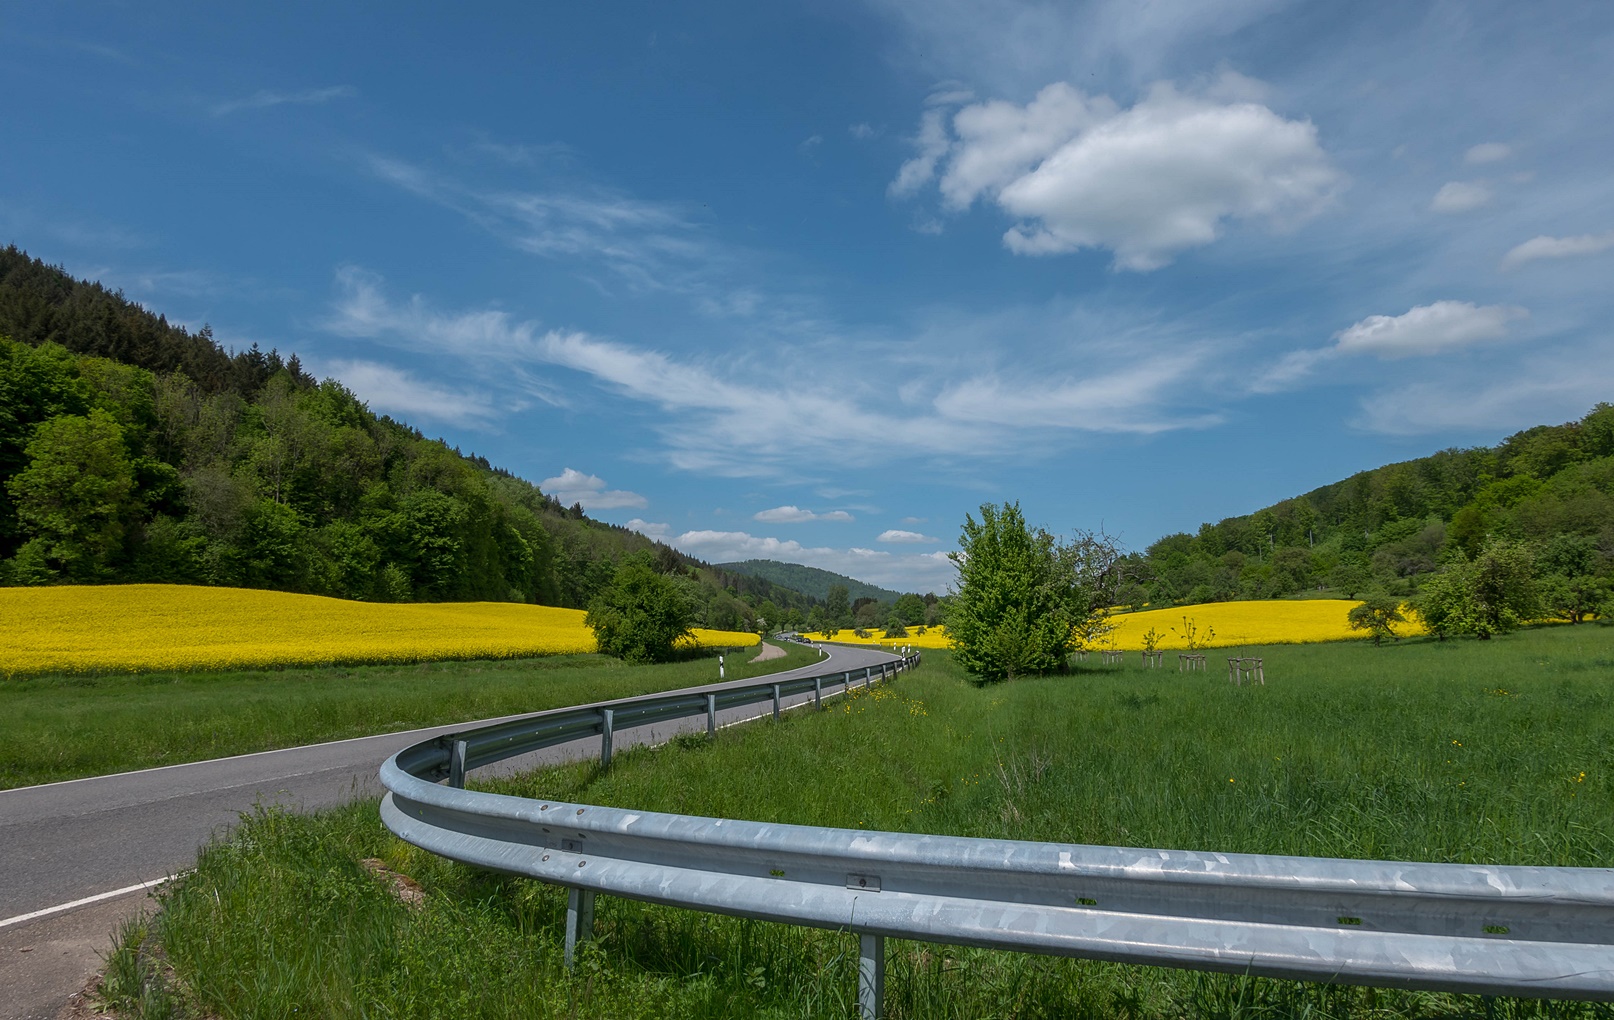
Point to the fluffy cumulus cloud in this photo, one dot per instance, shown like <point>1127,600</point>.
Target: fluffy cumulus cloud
<point>796,515</point>
<point>1428,329</point>
<point>573,486</point>
<point>1145,182</point>
<point>919,572</point>
<point>1461,197</point>
<point>1558,248</point>
<point>899,537</point>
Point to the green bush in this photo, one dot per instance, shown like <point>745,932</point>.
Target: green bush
<point>641,616</point>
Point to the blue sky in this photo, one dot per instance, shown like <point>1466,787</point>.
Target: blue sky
<point>811,283</point>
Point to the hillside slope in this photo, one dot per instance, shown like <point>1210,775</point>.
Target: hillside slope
<point>810,580</point>
<point>1551,486</point>
<point>133,450</point>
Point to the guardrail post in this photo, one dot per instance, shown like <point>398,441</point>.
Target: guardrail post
<point>870,976</point>
<point>846,682</point>
<point>775,702</point>
<point>607,719</point>
<point>868,677</point>
<point>818,693</point>
<point>711,715</point>
<point>456,765</point>
<point>579,921</point>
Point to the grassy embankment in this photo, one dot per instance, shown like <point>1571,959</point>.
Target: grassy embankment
<point>1458,751</point>
<point>66,727</point>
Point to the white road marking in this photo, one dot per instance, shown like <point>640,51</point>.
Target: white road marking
<point>86,901</point>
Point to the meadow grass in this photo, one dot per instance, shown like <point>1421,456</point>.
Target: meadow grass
<point>1458,751</point>
<point>66,727</point>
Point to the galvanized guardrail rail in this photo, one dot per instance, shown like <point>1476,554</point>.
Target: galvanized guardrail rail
<point>1525,931</point>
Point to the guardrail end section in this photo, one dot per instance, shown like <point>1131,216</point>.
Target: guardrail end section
<point>579,921</point>
<point>870,976</point>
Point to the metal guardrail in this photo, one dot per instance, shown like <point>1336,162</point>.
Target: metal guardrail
<point>1524,931</point>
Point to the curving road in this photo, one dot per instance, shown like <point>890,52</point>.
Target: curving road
<point>75,855</point>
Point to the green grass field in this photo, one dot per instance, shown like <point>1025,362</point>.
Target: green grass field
<point>66,727</point>
<point>1456,751</point>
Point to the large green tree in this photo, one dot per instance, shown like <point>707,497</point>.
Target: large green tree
<point>1025,600</point>
<point>1490,594</point>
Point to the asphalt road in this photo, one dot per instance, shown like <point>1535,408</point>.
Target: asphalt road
<point>65,842</point>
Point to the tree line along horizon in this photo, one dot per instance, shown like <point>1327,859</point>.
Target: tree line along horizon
<point>132,449</point>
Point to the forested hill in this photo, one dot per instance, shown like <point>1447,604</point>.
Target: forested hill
<point>134,450</point>
<point>1550,487</point>
<point>809,580</point>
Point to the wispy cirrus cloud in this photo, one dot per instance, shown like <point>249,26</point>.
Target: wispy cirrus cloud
<point>394,391</point>
<point>722,418</point>
<point>263,99</point>
<point>648,245</point>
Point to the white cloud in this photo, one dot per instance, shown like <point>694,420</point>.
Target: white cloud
<point>898,536</point>
<point>862,131</point>
<point>810,143</point>
<point>650,245</point>
<point>1145,182</point>
<point>1461,196</point>
<point>1545,247</point>
<point>657,532</point>
<point>1488,152</point>
<point>915,520</point>
<point>393,391</point>
<point>725,419</point>
<point>573,486</point>
<point>796,515</point>
<point>932,143</point>
<point>1428,329</point>
<point>1124,399</point>
<point>266,98</point>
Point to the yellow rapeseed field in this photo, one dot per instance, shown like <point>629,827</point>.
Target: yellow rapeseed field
<point>1233,623</point>
<point>1241,623</point>
<point>933,637</point>
<point>138,628</point>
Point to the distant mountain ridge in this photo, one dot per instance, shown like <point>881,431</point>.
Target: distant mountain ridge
<point>808,580</point>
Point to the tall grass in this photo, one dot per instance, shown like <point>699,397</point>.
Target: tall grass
<point>1495,752</point>
<point>66,727</point>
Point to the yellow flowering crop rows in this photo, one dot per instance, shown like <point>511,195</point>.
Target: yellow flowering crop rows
<point>139,628</point>
<point>1233,623</point>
